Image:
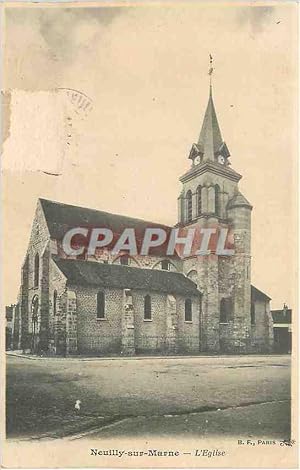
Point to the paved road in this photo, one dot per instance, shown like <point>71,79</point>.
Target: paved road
<point>241,395</point>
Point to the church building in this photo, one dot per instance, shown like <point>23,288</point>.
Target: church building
<point>105,304</point>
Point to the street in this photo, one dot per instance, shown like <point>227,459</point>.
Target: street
<point>242,396</point>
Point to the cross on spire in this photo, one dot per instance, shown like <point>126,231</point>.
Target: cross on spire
<point>211,69</point>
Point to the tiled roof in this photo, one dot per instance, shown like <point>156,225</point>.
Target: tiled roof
<point>93,273</point>
<point>238,200</point>
<point>62,217</point>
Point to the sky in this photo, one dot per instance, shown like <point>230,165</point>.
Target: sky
<point>144,70</point>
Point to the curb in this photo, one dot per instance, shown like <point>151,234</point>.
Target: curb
<point>135,358</point>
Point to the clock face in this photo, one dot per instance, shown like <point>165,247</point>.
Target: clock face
<point>221,159</point>
<point>197,160</point>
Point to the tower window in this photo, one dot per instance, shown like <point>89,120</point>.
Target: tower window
<point>100,305</point>
<point>252,313</point>
<point>225,310</point>
<point>188,316</point>
<point>36,270</point>
<point>199,200</point>
<point>147,308</point>
<point>124,260</point>
<point>55,302</point>
<point>217,199</point>
<point>165,264</point>
<point>189,206</point>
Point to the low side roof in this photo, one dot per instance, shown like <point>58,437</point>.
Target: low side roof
<point>239,200</point>
<point>256,293</point>
<point>93,273</point>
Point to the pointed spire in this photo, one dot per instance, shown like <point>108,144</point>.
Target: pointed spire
<point>210,143</point>
<point>210,139</point>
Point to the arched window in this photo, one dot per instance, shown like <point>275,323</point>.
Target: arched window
<point>189,205</point>
<point>199,200</point>
<point>165,264</point>
<point>100,305</point>
<point>188,316</point>
<point>55,302</point>
<point>252,313</point>
<point>225,310</point>
<point>35,308</point>
<point>147,307</point>
<point>36,270</point>
<point>217,199</point>
<point>124,260</point>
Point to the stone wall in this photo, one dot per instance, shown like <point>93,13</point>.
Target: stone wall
<point>128,324</point>
<point>38,246</point>
<point>150,335</point>
<point>225,277</point>
<point>235,337</point>
<point>188,332</point>
<point>262,337</point>
<point>124,329</point>
<point>98,335</point>
<point>71,323</point>
<point>57,320</point>
<point>171,346</point>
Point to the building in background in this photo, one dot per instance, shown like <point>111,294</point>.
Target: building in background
<point>282,326</point>
<point>8,326</point>
<point>13,325</point>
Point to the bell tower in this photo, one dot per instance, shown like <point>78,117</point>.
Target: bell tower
<point>210,182</point>
<point>210,198</point>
